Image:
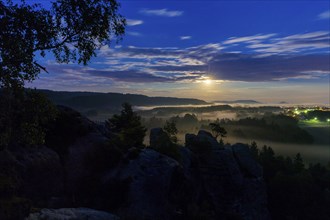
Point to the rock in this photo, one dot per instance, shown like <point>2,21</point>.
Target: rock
<point>75,165</point>
<point>71,214</point>
<point>222,181</point>
<point>157,137</point>
<point>8,174</point>
<point>149,188</point>
<point>206,179</point>
<point>207,136</point>
<point>248,165</point>
<point>226,178</point>
<point>190,139</point>
<point>41,172</point>
<point>202,144</point>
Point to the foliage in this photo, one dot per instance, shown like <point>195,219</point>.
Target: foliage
<point>24,119</point>
<point>319,114</point>
<point>295,192</point>
<point>165,143</point>
<point>171,130</point>
<point>65,129</point>
<point>280,128</point>
<point>12,207</point>
<point>71,29</point>
<point>217,130</point>
<point>125,130</point>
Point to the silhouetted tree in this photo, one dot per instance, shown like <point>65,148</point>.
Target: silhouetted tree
<point>171,130</point>
<point>126,130</point>
<point>254,150</point>
<point>298,163</point>
<point>291,187</point>
<point>26,122</point>
<point>72,30</point>
<point>217,130</point>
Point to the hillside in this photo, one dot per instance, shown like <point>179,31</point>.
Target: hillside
<point>84,101</point>
<point>239,102</point>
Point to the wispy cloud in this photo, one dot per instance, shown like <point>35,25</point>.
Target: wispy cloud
<point>134,33</point>
<point>194,63</point>
<point>324,15</point>
<point>134,76</point>
<point>133,22</point>
<point>185,37</point>
<point>268,44</point>
<point>161,12</point>
<point>248,39</point>
<point>265,58</point>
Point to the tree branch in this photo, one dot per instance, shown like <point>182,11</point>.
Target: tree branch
<point>41,67</point>
<point>66,40</point>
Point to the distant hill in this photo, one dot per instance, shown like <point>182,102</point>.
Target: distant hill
<point>240,102</point>
<point>83,101</point>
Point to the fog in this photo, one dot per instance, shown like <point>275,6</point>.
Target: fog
<point>316,152</point>
<point>311,153</point>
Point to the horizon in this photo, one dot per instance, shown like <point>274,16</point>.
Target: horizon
<point>266,51</point>
<point>208,102</point>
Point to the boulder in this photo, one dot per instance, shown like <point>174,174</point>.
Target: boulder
<point>71,214</point>
<point>76,164</point>
<point>41,172</point>
<point>190,139</point>
<point>157,137</point>
<point>202,144</point>
<point>148,180</point>
<point>207,136</point>
<point>228,179</point>
<point>249,167</point>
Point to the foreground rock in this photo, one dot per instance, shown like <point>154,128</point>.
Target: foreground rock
<point>231,180</point>
<point>71,214</point>
<point>149,181</point>
<point>82,168</point>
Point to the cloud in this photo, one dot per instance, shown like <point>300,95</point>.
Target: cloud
<point>194,63</point>
<point>266,45</point>
<point>249,68</point>
<point>161,12</point>
<point>324,15</point>
<point>185,37</point>
<point>262,58</point>
<point>132,22</point>
<point>134,33</point>
<point>248,39</point>
<point>134,76</point>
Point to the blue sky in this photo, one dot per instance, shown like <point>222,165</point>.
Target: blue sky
<point>270,51</point>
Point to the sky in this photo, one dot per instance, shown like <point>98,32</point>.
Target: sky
<point>269,51</point>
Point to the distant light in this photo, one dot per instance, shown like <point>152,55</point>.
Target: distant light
<point>328,120</point>
<point>315,118</point>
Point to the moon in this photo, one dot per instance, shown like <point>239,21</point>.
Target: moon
<point>207,81</point>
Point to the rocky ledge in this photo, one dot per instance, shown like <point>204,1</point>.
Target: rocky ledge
<point>201,180</point>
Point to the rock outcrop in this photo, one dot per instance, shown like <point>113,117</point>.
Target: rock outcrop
<point>71,214</point>
<point>231,180</point>
<point>148,178</point>
<point>208,182</point>
<point>203,180</point>
<point>38,173</point>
